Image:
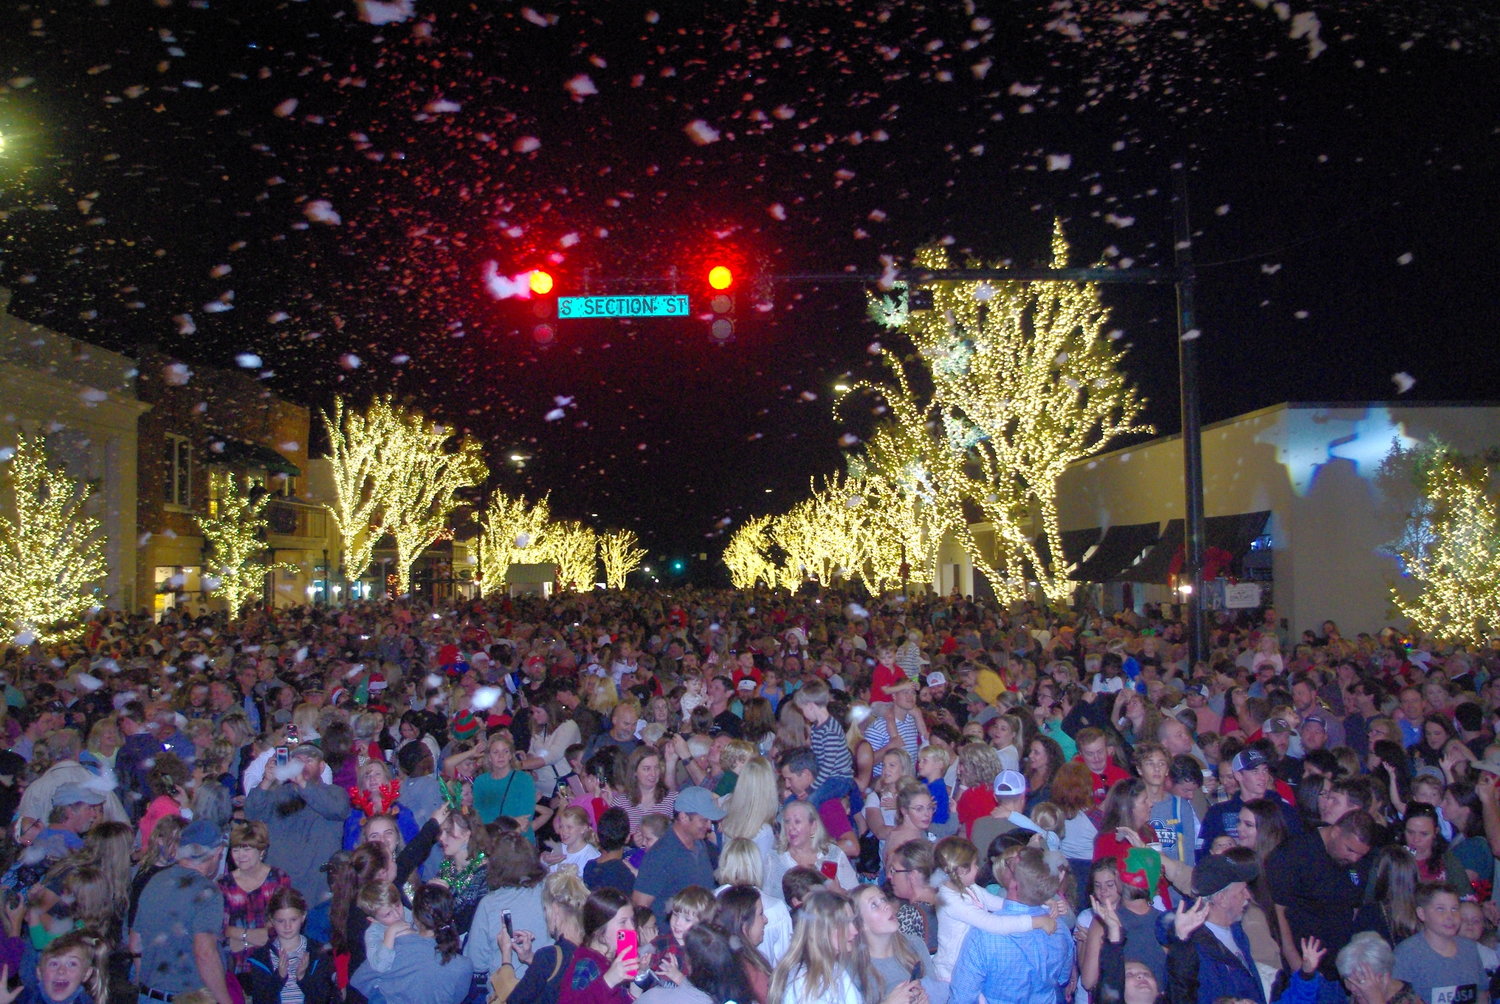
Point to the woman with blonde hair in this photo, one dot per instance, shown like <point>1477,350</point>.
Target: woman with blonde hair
<point>885,960</point>
<point>978,766</point>
<point>880,814</point>
<point>914,810</point>
<point>815,969</point>
<point>804,842</point>
<point>563,896</point>
<point>740,863</point>
<point>751,810</point>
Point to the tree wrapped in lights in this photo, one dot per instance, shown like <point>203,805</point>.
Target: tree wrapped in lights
<point>747,555</point>
<point>1450,544</point>
<point>51,554</point>
<point>235,531</point>
<point>355,443</point>
<point>622,554</point>
<point>419,475</point>
<point>574,547</point>
<point>512,531</point>
<point>1025,383</point>
<point>899,506</point>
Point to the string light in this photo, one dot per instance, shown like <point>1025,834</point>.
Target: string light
<point>234,529</point>
<point>511,530</point>
<point>417,481</point>
<point>354,456</point>
<point>1450,547</point>
<point>1025,383</point>
<point>574,547</point>
<point>746,554</point>
<point>52,555</point>
<point>622,554</point>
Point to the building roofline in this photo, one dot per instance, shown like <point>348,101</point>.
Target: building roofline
<point>1288,406</point>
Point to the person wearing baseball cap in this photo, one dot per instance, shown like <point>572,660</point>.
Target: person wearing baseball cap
<point>1213,928</point>
<point>1253,772</point>
<point>681,857</point>
<point>1009,814</point>
<point>180,920</point>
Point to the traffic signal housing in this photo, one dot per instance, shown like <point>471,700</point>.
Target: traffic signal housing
<point>543,307</point>
<point>721,304</point>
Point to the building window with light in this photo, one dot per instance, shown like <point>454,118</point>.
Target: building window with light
<point>178,471</point>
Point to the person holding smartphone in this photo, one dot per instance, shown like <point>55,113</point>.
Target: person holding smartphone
<point>609,958</point>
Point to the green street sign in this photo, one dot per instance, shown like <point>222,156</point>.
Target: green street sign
<point>570,307</point>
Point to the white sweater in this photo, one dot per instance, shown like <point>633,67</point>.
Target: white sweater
<point>959,911</point>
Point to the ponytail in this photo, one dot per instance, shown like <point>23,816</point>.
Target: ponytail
<point>432,909</point>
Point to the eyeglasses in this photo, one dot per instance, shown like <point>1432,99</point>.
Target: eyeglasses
<point>899,871</point>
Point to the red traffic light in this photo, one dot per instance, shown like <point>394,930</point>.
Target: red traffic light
<point>720,277</point>
<point>540,282</point>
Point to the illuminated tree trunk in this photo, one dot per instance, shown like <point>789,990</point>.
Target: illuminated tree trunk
<point>621,554</point>
<point>419,479</point>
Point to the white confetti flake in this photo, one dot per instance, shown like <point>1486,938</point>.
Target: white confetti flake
<point>701,133</point>
<point>1403,381</point>
<point>350,361</point>
<point>92,395</point>
<point>581,87</point>
<point>523,540</point>
<point>285,109</point>
<point>385,11</point>
<point>248,360</point>
<point>322,211</point>
<point>176,374</point>
<point>777,211</point>
<point>1404,259</point>
<point>23,639</point>
<point>526,144</point>
<point>1059,161</point>
<point>485,698</point>
<point>556,414</point>
<point>442,106</point>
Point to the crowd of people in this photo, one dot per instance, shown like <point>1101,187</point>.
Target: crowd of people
<point>750,797</point>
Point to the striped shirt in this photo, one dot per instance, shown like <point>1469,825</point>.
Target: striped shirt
<point>832,751</point>
<point>878,735</point>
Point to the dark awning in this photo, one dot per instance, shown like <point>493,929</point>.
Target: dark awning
<point>1119,549</point>
<point>243,453</point>
<point>1074,544</point>
<point>1233,534</point>
<point>1155,565</point>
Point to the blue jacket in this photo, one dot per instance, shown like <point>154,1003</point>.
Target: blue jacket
<point>1202,970</point>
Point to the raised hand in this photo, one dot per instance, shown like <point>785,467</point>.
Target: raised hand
<point>1191,918</point>
<point>1312,954</point>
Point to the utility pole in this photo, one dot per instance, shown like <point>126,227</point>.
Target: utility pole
<point>1192,424</point>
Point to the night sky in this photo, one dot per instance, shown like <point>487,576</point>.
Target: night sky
<point>172,173</point>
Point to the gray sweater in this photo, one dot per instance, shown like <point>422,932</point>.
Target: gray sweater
<point>302,840</point>
<point>417,975</point>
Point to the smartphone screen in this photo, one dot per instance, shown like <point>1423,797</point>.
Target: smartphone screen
<point>627,947</point>
<point>510,931</point>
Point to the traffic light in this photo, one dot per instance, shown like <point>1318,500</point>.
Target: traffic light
<point>543,307</point>
<point>721,304</point>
